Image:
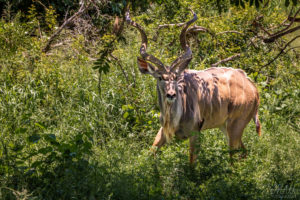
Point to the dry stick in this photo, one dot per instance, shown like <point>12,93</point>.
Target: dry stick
<point>196,29</point>
<point>294,19</point>
<point>165,26</point>
<point>295,52</point>
<point>274,37</point>
<point>43,5</point>
<point>81,10</point>
<point>224,32</point>
<point>292,48</point>
<point>282,50</point>
<point>226,60</point>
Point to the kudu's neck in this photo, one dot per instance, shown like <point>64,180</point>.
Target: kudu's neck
<point>171,113</point>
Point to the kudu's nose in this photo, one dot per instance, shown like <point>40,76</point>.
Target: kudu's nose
<point>171,95</point>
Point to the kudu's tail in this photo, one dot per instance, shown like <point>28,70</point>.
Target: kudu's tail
<point>257,123</point>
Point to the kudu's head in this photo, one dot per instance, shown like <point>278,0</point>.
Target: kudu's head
<point>166,75</point>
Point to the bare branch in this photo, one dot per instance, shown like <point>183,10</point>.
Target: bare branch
<point>168,25</point>
<point>282,50</point>
<point>226,60</point>
<point>296,47</point>
<point>81,10</point>
<point>43,5</point>
<point>284,31</point>
<point>294,19</point>
<point>276,36</point>
<point>225,32</point>
<point>164,26</point>
<point>196,29</point>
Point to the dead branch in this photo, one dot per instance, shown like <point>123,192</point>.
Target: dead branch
<point>294,19</point>
<point>164,26</point>
<point>43,5</point>
<point>282,50</point>
<point>280,34</point>
<point>193,29</point>
<point>296,47</point>
<point>289,25</point>
<point>225,32</point>
<point>226,60</point>
<point>196,29</point>
<point>168,25</point>
<point>81,10</point>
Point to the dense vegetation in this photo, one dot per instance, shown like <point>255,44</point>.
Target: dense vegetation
<point>77,120</point>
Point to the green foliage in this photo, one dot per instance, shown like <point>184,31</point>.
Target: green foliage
<point>62,139</point>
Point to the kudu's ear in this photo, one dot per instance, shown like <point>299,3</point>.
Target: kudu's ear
<point>178,68</point>
<point>145,67</point>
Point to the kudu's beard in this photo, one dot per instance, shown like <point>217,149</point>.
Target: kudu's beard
<point>170,123</point>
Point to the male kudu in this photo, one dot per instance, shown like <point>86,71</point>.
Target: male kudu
<point>191,100</point>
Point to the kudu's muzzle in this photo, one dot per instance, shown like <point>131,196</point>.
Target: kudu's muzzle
<point>171,93</point>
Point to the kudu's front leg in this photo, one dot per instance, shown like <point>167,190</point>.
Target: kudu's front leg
<point>159,141</point>
<point>193,147</point>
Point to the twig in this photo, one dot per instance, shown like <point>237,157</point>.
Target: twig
<point>81,10</point>
<point>284,31</point>
<point>296,47</point>
<point>294,19</point>
<point>67,12</point>
<point>121,67</point>
<point>39,28</point>
<point>43,5</point>
<point>196,29</point>
<point>226,60</point>
<point>280,34</point>
<point>224,32</point>
<point>168,25</point>
<point>252,42</point>
<point>282,50</point>
<point>165,26</point>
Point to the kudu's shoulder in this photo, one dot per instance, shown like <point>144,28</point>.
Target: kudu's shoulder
<point>215,72</point>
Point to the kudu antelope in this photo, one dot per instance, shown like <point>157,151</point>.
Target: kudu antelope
<point>191,100</point>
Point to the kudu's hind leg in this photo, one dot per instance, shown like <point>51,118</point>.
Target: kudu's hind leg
<point>235,131</point>
<point>160,140</point>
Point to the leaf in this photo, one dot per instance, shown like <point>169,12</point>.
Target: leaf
<point>40,125</point>
<point>21,130</point>
<point>45,150</point>
<point>36,164</point>
<point>126,114</point>
<point>251,2</point>
<point>34,138</point>
<point>17,148</point>
<point>50,137</point>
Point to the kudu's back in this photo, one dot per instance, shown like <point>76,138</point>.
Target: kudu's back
<point>222,94</point>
